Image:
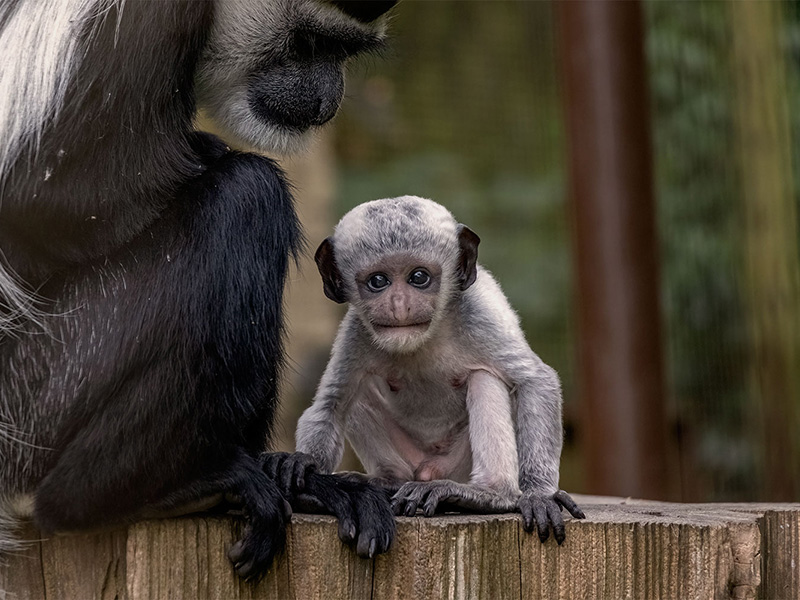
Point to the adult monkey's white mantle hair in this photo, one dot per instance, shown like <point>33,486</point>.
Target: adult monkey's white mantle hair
<point>158,256</point>
<point>40,42</point>
<point>40,46</point>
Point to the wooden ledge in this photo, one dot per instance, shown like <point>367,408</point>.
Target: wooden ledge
<point>624,549</point>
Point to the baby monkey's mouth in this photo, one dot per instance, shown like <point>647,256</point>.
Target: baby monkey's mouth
<point>419,326</point>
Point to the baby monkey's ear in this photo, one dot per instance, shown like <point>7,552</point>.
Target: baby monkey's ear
<point>332,282</point>
<point>467,270</point>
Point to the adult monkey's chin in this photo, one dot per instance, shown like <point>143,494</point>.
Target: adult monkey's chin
<point>272,71</point>
<point>236,123</point>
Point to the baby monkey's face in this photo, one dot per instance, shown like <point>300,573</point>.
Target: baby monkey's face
<point>397,299</point>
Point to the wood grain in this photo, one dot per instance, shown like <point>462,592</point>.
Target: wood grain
<point>624,549</point>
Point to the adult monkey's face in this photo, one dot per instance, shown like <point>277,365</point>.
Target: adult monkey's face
<point>273,70</point>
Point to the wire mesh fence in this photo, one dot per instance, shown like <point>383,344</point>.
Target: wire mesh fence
<point>466,108</point>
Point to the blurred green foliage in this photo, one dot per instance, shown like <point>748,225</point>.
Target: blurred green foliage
<point>688,49</point>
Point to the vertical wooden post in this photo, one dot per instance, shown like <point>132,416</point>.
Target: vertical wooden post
<point>611,185</point>
<point>769,239</point>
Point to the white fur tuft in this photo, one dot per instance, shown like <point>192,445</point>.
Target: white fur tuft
<point>9,525</point>
<point>19,305</point>
<point>40,46</point>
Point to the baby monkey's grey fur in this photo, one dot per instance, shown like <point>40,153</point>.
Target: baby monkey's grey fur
<point>430,378</point>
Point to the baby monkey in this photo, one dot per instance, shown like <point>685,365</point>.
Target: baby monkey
<point>430,378</point>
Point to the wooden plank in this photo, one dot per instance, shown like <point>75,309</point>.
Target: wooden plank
<point>186,558</point>
<point>454,556</point>
<point>322,567</point>
<point>624,549</point>
<point>86,566</point>
<point>652,550</point>
<point>781,554</point>
<point>21,573</point>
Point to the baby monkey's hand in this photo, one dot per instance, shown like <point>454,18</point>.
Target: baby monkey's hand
<point>544,511</point>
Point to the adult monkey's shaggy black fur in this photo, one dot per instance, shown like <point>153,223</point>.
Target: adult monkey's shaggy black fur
<point>142,379</point>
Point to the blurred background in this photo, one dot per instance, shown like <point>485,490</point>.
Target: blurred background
<point>487,107</point>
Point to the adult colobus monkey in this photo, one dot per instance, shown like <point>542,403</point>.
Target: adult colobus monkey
<point>143,376</point>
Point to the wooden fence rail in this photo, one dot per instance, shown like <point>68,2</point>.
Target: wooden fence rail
<point>624,549</point>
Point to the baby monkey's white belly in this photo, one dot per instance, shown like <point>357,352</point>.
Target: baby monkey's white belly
<point>412,429</point>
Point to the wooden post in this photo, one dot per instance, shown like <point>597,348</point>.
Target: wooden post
<point>769,240</point>
<point>624,549</point>
<point>611,186</point>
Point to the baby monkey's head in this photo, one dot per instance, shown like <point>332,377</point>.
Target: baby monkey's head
<point>399,262</point>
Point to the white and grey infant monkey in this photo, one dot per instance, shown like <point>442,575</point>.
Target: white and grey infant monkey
<point>430,378</point>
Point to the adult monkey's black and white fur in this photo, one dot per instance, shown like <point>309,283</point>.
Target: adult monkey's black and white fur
<point>430,378</point>
<point>142,378</point>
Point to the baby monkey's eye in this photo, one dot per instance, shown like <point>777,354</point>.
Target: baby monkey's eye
<point>378,282</point>
<point>419,278</point>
